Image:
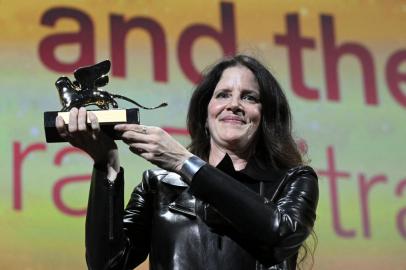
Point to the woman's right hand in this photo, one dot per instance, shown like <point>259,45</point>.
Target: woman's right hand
<point>100,147</point>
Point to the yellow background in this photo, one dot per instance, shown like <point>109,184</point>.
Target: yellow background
<point>367,140</point>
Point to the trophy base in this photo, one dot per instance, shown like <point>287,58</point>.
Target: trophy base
<point>107,120</point>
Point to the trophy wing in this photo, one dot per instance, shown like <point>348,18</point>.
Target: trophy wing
<point>87,76</point>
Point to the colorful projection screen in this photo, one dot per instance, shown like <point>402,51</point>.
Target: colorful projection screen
<point>342,65</point>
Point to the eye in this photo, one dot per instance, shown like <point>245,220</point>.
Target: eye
<point>222,94</point>
<point>251,98</point>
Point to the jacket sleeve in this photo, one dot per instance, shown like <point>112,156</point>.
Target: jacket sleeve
<point>276,226</point>
<point>116,238</point>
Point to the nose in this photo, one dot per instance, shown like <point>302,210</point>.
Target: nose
<point>234,104</point>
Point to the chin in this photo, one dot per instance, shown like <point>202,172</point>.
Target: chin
<point>234,141</point>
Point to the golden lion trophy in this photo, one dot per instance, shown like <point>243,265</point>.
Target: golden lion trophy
<point>86,91</point>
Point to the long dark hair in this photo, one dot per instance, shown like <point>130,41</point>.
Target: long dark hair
<point>274,145</point>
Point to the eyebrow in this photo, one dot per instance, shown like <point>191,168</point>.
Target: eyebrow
<point>250,91</point>
<point>243,91</point>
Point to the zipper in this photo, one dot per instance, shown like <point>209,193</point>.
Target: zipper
<point>111,209</point>
<point>183,210</point>
<point>261,189</point>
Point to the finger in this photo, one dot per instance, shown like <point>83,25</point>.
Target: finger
<point>82,119</point>
<point>59,123</point>
<point>73,120</point>
<point>94,122</point>
<point>146,155</point>
<point>125,127</point>
<point>133,136</point>
<point>135,150</point>
<point>60,127</point>
<point>142,147</point>
<point>134,127</point>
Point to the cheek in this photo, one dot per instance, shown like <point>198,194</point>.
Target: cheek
<point>214,109</point>
<point>259,118</point>
<point>255,115</point>
<point>211,115</point>
<point>210,109</point>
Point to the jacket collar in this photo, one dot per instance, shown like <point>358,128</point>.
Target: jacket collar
<point>255,170</point>
<point>185,203</point>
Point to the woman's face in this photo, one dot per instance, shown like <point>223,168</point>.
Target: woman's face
<point>234,111</point>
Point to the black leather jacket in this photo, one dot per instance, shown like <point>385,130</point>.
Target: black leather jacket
<point>251,219</point>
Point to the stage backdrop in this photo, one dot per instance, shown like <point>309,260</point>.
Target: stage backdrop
<point>342,65</point>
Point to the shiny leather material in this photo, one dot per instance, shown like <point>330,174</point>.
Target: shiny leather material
<point>218,222</point>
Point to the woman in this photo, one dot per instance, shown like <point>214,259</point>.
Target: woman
<point>237,198</point>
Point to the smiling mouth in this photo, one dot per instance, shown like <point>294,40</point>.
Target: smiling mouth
<point>233,120</point>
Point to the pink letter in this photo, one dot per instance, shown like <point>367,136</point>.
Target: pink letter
<point>84,38</point>
<point>332,175</point>
<point>19,156</point>
<point>394,77</point>
<point>332,54</point>
<point>364,188</point>
<point>401,217</point>
<point>57,189</point>
<point>225,38</point>
<point>119,30</point>
<point>295,43</point>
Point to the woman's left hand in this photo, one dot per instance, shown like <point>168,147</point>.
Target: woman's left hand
<point>155,145</point>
